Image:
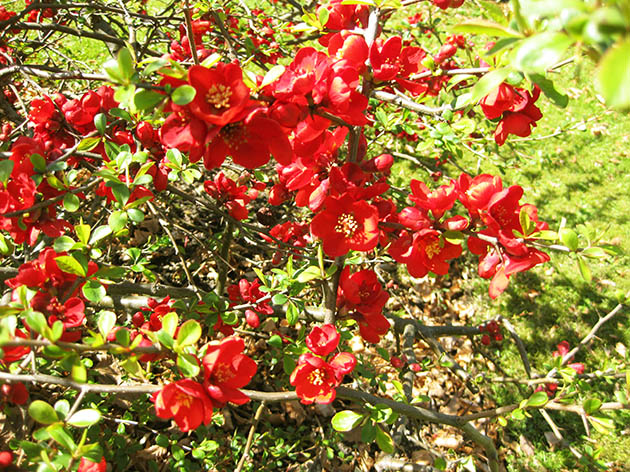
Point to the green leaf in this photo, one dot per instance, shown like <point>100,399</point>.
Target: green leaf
<point>189,333</point>
<point>62,437</point>
<point>71,202</point>
<point>591,405</point>
<point>117,220</point>
<point>368,433</point>
<point>121,192</point>
<point>613,75</point>
<point>94,291</point>
<point>84,418</point>
<point>308,274</point>
<point>63,243</point>
<point>384,441</point>
<point>135,215</point>
<point>488,83</point>
<point>56,331</point>
<point>490,28</point>
<point>169,322</point>
<point>494,11</point>
<point>275,72</point>
<point>37,321</point>
<point>279,299</point>
<point>42,412</point>
<point>83,232</point>
<point>70,265</point>
<point>126,64</point>
<point>39,163</point>
<point>288,365</point>
<point>602,423</point>
<point>585,270</point>
<point>275,341</point>
<point>62,407</point>
<point>165,339</point>
<point>99,233</point>
<point>538,53</point>
<point>79,372</point>
<point>293,314</point>
<point>549,90</point>
<point>537,399</point>
<point>122,337</point>
<point>112,69</point>
<point>87,144</point>
<point>147,99</point>
<point>188,365</point>
<point>6,167</point>
<point>183,95</point>
<point>454,237</point>
<point>106,322</point>
<point>346,420</point>
<point>569,238</point>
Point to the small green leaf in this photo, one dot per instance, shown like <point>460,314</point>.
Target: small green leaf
<point>126,64</point>
<point>39,163</point>
<point>585,270</point>
<point>169,322</point>
<point>94,291</point>
<point>346,420</point>
<point>71,202</point>
<point>79,372</point>
<point>83,232</point>
<point>189,333</point>
<point>488,83</point>
<point>188,365</point>
<point>275,341</point>
<point>70,265</point>
<point>368,433</point>
<point>548,88</point>
<point>537,399</point>
<point>135,215</point>
<point>310,273</point>
<point>276,71</point>
<point>117,220</point>
<point>100,122</point>
<point>569,238</point>
<point>37,321</point>
<point>62,407</point>
<point>63,243</point>
<point>591,405</point>
<point>42,412</point>
<point>165,339</point>
<point>62,437</point>
<point>99,233</point>
<point>538,53</point>
<point>602,423</point>
<point>183,95</point>
<point>288,364</point>
<point>613,75</point>
<point>6,167</point>
<point>384,441</point>
<point>594,253</point>
<point>147,99</point>
<point>122,337</point>
<point>490,28</point>
<point>84,418</point>
<point>87,144</point>
<point>279,299</point>
<point>106,322</point>
<point>293,314</point>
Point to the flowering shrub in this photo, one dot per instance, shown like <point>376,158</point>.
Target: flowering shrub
<point>236,177</point>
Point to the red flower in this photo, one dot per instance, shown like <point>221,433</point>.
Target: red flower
<point>16,393</point>
<point>250,140</point>
<point>323,339</point>
<point>226,370</point>
<point>371,325</point>
<point>424,251</point>
<point>499,100</point>
<point>227,192</point>
<point>315,379</point>
<point>87,465</point>
<point>221,95</point>
<point>186,402</point>
<point>346,224</point>
<point>12,354</point>
<point>438,201</point>
<point>361,292</point>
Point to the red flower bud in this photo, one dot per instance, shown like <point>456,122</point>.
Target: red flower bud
<point>252,318</point>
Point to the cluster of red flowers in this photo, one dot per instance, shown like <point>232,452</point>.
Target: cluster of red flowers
<point>227,192</point>
<point>314,378</point>
<point>563,349</point>
<point>58,296</point>
<point>516,109</point>
<point>249,292</point>
<point>225,370</point>
<point>362,297</point>
<point>494,332</point>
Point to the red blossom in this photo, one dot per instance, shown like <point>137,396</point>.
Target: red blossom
<point>186,402</point>
<point>346,224</point>
<point>315,379</point>
<point>323,340</point>
<point>87,465</point>
<point>226,370</point>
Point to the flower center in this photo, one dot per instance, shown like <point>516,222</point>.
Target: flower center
<point>316,377</point>
<point>432,249</point>
<point>233,135</point>
<point>218,96</point>
<point>347,224</point>
<point>183,400</point>
<point>222,373</point>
